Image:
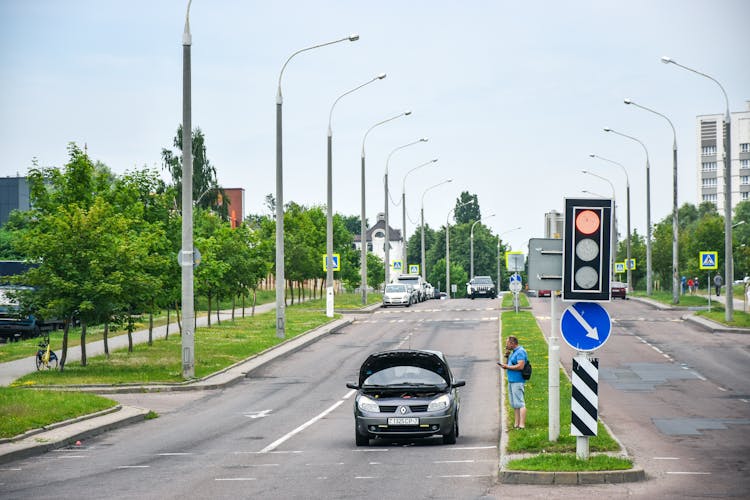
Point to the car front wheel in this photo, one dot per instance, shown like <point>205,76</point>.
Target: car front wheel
<point>361,439</point>
<point>450,437</point>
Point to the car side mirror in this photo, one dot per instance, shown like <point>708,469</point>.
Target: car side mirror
<point>459,383</point>
<point>352,385</point>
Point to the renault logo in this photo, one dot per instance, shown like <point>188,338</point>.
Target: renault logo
<point>402,410</point>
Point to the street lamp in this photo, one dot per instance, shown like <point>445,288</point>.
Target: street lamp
<point>627,208</point>
<point>448,246</point>
<point>387,248</point>
<point>403,205</point>
<point>186,260</point>
<point>675,227</point>
<point>471,244</point>
<point>614,216</point>
<point>280,285</point>
<point>499,236</point>
<point>728,257</point>
<point>424,273</point>
<point>363,215</point>
<point>329,199</point>
<point>649,270</point>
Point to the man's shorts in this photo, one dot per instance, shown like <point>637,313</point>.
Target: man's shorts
<point>515,394</point>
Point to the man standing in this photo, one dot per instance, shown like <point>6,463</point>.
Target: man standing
<point>718,281</point>
<point>517,358</point>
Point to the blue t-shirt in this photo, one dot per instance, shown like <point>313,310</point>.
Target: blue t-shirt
<point>517,355</point>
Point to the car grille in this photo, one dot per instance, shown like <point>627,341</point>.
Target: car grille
<point>414,409</point>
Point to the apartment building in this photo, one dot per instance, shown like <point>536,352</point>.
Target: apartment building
<point>710,158</point>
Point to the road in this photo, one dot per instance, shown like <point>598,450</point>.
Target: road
<point>676,396</point>
<point>287,431</point>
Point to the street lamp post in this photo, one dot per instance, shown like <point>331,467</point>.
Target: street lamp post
<point>728,256</point>
<point>403,207</point>
<point>675,226</point>
<point>280,285</point>
<point>363,215</point>
<point>424,273</point>
<point>448,246</point>
<point>649,268</point>
<point>387,195</point>
<point>471,244</point>
<point>629,272</point>
<point>614,216</point>
<point>329,199</point>
<point>186,260</point>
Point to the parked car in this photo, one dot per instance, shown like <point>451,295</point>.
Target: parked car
<point>397,295</point>
<point>544,293</point>
<point>406,394</point>
<point>619,289</point>
<point>415,295</point>
<point>481,286</point>
<point>429,291</point>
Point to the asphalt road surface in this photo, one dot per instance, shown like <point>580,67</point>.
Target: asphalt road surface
<point>288,430</point>
<point>676,396</point>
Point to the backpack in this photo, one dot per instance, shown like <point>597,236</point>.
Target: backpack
<point>526,372</point>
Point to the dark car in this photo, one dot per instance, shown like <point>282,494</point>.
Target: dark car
<point>544,293</point>
<point>481,286</point>
<point>406,394</point>
<point>619,289</point>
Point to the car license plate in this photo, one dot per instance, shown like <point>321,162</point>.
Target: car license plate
<point>403,421</point>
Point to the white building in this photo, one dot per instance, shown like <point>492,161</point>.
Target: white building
<point>710,158</point>
<point>376,242</point>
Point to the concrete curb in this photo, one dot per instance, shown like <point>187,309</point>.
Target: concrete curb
<point>571,478</point>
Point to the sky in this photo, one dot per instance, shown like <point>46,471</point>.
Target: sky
<point>513,96</point>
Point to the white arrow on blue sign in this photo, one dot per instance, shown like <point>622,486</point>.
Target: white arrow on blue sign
<point>515,277</point>
<point>585,326</point>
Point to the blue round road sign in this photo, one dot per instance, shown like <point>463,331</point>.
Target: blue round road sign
<point>585,326</point>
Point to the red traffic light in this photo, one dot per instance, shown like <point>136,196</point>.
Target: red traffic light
<point>587,221</point>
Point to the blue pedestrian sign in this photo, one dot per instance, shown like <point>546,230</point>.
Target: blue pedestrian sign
<point>515,277</point>
<point>397,265</point>
<point>709,260</point>
<point>585,326</point>
<point>336,262</point>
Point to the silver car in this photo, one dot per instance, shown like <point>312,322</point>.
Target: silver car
<point>397,295</point>
<point>406,394</point>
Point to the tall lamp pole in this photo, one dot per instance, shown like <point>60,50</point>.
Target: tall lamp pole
<point>363,214</point>
<point>649,269</point>
<point>728,256</point>
<point>329,198</point>
<point>448,246</point>
<point>627,208</point>
<point>614,216</point>
<point>280,284</point>
<point>424,273</point>
<point>675,225</point>
<point>403,206</point>
<point>186,259</point>
<point>471,244</point>
<point>387,248</point>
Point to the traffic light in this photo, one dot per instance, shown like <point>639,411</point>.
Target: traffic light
<point>587,249</point>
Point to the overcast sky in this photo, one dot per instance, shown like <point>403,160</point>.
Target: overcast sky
<point>512,95</point>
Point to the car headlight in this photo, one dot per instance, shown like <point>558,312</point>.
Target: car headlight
<point>439,403</point>
<point>366,404</point>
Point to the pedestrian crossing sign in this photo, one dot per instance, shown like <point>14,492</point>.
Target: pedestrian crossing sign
<point>336,262</point>
<point>413,268</point>
<point>397,266</point>
<point>630,264</point>
<point>619,267</point>
<point>709,260</point>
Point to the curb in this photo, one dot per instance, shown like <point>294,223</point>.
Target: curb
<point>571,478</point>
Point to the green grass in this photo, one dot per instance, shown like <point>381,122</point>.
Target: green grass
<point>215,349</point>
<point>523,300</point>
<point>665,297</point>
<point>569,463</point>
<point>740,319</point>
<point>343,301</point>
<point>22,410</point>
<point>534,439</point>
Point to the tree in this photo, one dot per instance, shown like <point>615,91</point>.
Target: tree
<point>375,275</point>
<point>206,191</point>
<point>467,208</point>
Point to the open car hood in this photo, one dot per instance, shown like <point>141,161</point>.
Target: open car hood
<point>429,360</point>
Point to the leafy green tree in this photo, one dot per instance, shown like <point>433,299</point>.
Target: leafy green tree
<point>467,208</point>
<point>375,274</point>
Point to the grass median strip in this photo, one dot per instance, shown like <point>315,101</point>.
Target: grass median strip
<point>535,438</point>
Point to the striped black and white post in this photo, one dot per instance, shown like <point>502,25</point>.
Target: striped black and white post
<point>584,404</point>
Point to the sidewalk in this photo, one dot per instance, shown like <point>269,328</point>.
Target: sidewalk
<point>705,323</point>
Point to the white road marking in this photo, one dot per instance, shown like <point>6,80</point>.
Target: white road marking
<point>365,477</point>
<point>372,450</point>
<point>258,414</point>
<point>134,467</point>
<point>263,465</point>
<point>11,469</point>
<point>234,479</point>
<point>453,462</point>
<point>475,448</point>
<point>73,456</point>
<point>375,463</point>
<point>172,454</point>
<point>691,473</point>
<point>666,458</point>
<point>722,389</point>
<point>744,400</point>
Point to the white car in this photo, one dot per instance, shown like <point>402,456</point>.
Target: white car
<point>429,291</point>
<point>397,294</point>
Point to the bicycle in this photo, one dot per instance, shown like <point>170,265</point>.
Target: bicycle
<point>45,356</point>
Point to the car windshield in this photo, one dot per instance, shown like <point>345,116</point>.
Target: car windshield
<point>395,289</point>
<point>404,375</point>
